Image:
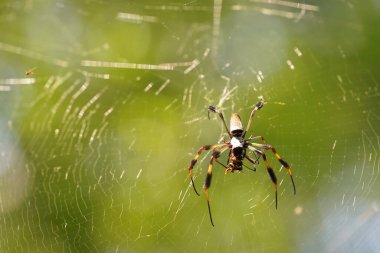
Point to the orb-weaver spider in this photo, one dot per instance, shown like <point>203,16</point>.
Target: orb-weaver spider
<point>237,146</point>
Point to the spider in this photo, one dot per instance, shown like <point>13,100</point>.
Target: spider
<point>237,146</point>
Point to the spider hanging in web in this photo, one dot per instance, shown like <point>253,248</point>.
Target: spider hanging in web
<point>237,147</point>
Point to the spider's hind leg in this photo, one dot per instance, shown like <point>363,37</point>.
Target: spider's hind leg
<point>207,184</point>
<point>270,171</point>
<point>282,161</point>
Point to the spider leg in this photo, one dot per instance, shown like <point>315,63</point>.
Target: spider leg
<point>194,161</point>
<point>282,161</point>
<point>212,108</point>
<point>258,106</point>
<point>257,158</point>
<point>252,161</point>
<point>256,161</point>
<point>229,156</point>
<point>216,159</point>
<point>257,137</point>
<point>221,164</point>
<point>270,171</point>
<point>207,184</point>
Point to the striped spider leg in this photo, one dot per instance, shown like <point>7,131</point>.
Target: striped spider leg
<point>194,161</point>
<point>257,148</point>
<point>207,184</point>
<point>237,145</point>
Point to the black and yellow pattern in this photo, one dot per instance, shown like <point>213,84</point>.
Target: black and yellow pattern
<point>237,146</point>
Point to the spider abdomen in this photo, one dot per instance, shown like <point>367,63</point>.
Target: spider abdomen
<point>239,153</point>
<point>236,127</point>
<point>237,146</point>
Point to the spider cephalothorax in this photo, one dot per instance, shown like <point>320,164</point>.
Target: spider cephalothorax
<point>237,146</point>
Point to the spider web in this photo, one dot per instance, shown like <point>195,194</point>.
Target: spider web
<point>104,104</point>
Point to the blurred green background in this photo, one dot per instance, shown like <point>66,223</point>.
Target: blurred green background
<point>103,104</point>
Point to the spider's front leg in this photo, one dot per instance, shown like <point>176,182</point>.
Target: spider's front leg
<point>194,161</point>
<point>258,106</point>
<point>212,108</point>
